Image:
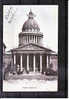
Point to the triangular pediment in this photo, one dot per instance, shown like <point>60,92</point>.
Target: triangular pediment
<point>30,47</point>
<point>33,47</point>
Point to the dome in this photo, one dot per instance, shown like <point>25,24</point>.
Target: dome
<point>30,24</point>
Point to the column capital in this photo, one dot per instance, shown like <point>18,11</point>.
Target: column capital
<point>34,54</point>
<point>27,53</point>
<point>41,54</point>
<point>14,54</point>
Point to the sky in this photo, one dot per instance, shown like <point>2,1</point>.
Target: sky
<point>15,16</point>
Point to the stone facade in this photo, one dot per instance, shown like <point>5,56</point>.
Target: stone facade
<point>30,55</point>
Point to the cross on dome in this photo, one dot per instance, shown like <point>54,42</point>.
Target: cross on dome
<point>31,14</point>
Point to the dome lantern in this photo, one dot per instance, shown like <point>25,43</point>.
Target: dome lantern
<point>31,15</point>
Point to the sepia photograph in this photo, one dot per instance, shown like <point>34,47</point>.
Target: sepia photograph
<point>30,48</point>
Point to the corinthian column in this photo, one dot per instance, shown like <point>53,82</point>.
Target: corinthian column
<point>27,62</point>
<point>40,63</point>
<point>21,63</point>
<point>14,63</point>
<point>27,38</point>
<point>47,61</point>
<point>34,38</point>
<point>34,62</point>
<point>14,59</point>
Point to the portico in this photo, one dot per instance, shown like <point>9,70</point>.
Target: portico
<point>32,62</point>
